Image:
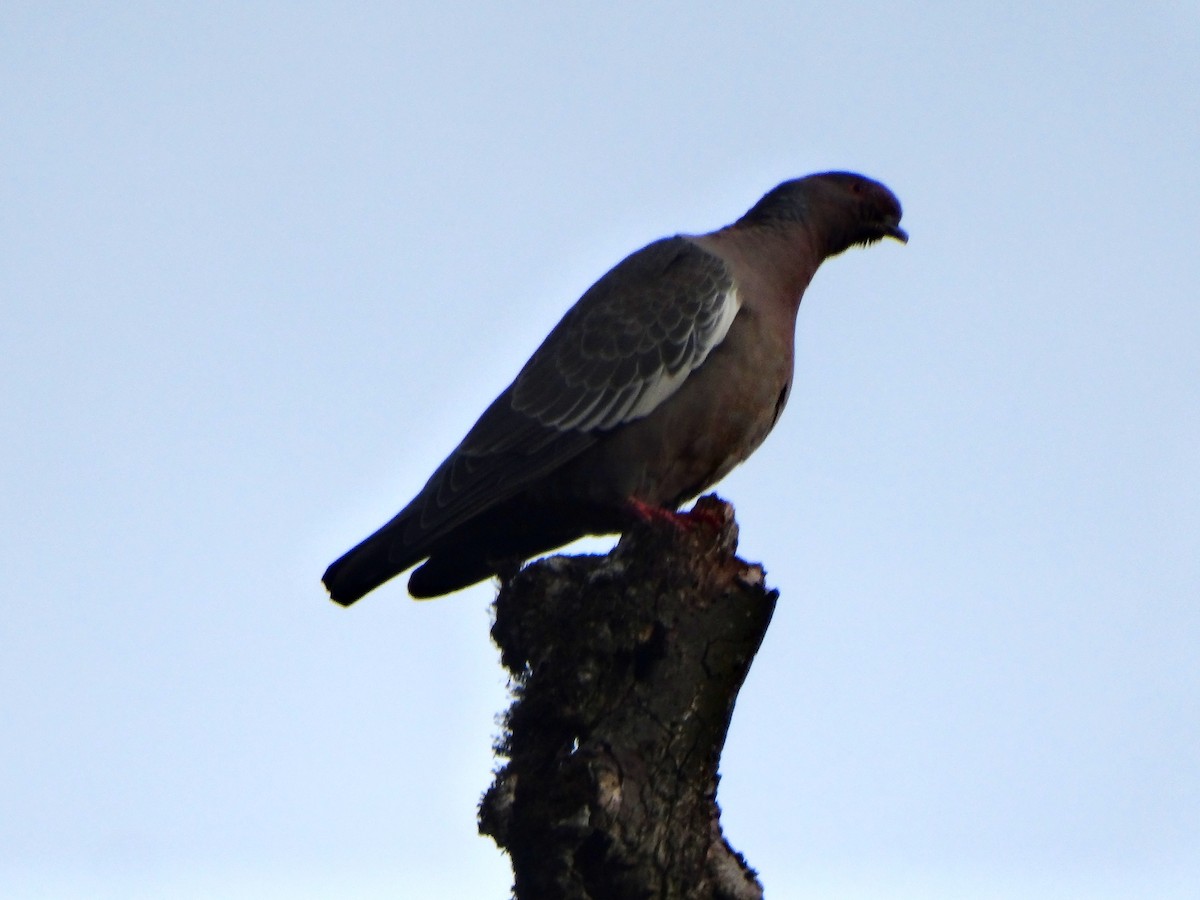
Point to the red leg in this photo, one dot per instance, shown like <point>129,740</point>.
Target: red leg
<point>693,518</point>
<point>648,512</point>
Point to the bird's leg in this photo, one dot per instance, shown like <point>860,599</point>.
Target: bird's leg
<point>648,512</point>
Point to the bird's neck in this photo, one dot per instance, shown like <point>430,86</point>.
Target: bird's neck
<point>771,261</point>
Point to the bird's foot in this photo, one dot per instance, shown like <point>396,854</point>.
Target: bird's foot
<point>705,514</point>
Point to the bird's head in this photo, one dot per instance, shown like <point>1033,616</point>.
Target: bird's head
<point>841,210</point>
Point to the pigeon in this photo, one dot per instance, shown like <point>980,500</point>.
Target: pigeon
<point>666,374</point>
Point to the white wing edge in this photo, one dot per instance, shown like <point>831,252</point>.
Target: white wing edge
<point>656,391</point>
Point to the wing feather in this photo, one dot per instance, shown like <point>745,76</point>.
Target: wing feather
<point>641,329</point>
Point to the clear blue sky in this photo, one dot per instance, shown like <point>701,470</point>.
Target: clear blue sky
<point>262,265</point>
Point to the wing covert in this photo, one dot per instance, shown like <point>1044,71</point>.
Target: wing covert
<point>631,340</point>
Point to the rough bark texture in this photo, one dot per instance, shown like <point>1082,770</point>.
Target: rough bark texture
<point>625,669</point>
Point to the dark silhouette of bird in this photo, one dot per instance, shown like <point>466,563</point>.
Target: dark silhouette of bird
<point>668,372</point>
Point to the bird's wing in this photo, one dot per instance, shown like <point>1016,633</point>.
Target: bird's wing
<point>616,356</point>
<point>631,340</point>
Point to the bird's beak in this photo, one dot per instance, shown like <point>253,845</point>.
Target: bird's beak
<point>895,231</point>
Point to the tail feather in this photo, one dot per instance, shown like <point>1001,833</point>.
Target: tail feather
<point>496,539</point>
<point>364,568</point>
<point>451,570</point>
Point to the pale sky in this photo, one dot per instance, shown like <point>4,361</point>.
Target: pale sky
<point>262,265</point>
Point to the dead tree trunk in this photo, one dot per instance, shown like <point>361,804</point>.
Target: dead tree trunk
<point>625,670</point>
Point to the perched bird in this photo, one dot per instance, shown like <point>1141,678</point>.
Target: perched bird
<point>668,372</point>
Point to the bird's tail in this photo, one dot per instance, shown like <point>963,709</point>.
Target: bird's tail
<point>367,566</point>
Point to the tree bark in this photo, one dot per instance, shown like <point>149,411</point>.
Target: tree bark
<point>625,671</point>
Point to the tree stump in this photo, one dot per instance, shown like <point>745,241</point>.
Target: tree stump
<point>625,671</point>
